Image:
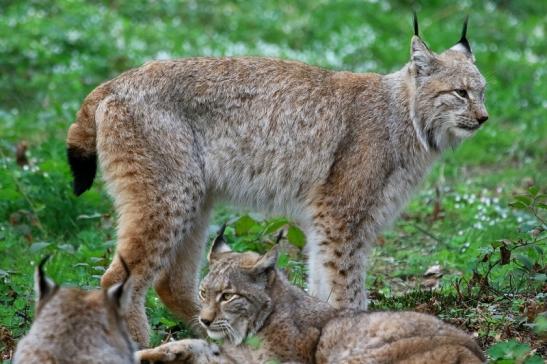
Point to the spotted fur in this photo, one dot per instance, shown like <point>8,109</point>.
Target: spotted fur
<point>338,152</point>
<point>244,295</point>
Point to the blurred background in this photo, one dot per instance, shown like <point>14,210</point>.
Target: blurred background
<point>469,247</point>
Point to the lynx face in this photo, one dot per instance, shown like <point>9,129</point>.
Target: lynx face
<point>449,94</point>
<point>233,298</point>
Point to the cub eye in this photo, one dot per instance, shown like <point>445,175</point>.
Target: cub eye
<point>202,294</point>
<point>461,93</point>
<point>226,296</point>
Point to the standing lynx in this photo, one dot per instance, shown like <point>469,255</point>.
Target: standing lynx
<point>76,326</point>
<point>243,294</point>
<point>338,152</point>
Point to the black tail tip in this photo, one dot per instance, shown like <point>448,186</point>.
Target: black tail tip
<point>84,167</point>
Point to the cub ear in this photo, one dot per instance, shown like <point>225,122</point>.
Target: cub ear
<point>219,245</point>
<point>43,285</point>
<point>119,294</point>
<point>423,60</point>
<point>266,262</point>
<point>463,44</point>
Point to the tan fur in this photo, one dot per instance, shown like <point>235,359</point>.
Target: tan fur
<point>76,326</point>
<point>291,326</point>
<point>338,152</point>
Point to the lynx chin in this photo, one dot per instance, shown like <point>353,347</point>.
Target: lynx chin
<point>338,152</point>
<point>243,294</point>
<point>77,326</point>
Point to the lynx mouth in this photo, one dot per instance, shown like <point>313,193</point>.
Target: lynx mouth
<point>469,127</point>
<point>216,335</point>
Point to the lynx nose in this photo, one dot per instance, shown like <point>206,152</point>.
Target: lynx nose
<point>205,322</point>
<point>481,119</point>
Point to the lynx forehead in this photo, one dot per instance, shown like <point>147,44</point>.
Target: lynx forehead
<point>338,152</point>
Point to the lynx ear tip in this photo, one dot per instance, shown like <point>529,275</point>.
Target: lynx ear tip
<point>222,229</point>
<point>279,236</point>
<point>463,40</point>
<point>415,22</point>
<point>43,262</point>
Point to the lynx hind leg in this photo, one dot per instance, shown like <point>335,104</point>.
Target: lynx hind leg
<point>336,261</point>
<point>178,282</point>
<point>449,354</point>
<point>157,189</point>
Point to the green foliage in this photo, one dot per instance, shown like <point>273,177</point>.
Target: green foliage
<point>511,266</point>
<point>253,342</point>
<point>509,352</point>
<point>491,255</point>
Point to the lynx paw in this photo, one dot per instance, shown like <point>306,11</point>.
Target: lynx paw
<point>188,351</point>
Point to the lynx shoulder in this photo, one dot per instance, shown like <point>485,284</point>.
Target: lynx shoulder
<point>76,326</point>
<point>338,152</point>
<point>244,295</point>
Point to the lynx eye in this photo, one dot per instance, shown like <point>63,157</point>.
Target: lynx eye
<point>227,296</point>
<point>202,294</point>
<point>461,93</point>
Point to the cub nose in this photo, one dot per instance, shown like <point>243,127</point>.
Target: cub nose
<point>481,119</point>
<point>205,321</point>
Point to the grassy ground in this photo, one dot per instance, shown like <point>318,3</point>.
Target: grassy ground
<point>486,256</point>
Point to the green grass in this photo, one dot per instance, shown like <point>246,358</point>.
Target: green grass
<point>54,52</point>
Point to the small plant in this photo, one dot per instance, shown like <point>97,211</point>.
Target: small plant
<point>511,351</point>
<point>508,267</point>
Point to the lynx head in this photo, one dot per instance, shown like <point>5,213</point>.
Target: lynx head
<point>448,102</point>
<point>73,323</point>
<point>234,294</point>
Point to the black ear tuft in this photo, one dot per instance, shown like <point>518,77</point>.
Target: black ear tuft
<point>117,294</point>
<point>220,234</point>
<point>43,285</point>
<point>125,268</point>
<point>279,237</point>
<point>463,43</point>
<point>219,244</point>
<point>463,40</point>
<point>415,19</point>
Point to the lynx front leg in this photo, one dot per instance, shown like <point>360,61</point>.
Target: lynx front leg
<point>337,261</point>
<point>188,351</point>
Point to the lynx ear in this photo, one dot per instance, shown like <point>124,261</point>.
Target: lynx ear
<point>266,262</point>
<point>463,43</point>
<point>423,60</point>
<point>118,295</point>
<point>219,245</point>
<point>43,285</point>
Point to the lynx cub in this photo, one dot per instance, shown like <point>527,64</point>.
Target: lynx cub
<point>338,152</point>
<point>76,326</point>
<point>244,294</point>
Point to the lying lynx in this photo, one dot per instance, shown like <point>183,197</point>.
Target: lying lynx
<point>76,326</point>
<point>338,152</point>
<point>244,295</point>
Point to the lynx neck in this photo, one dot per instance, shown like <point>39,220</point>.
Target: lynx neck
<point>302,307</point>
<point>412,146</point>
